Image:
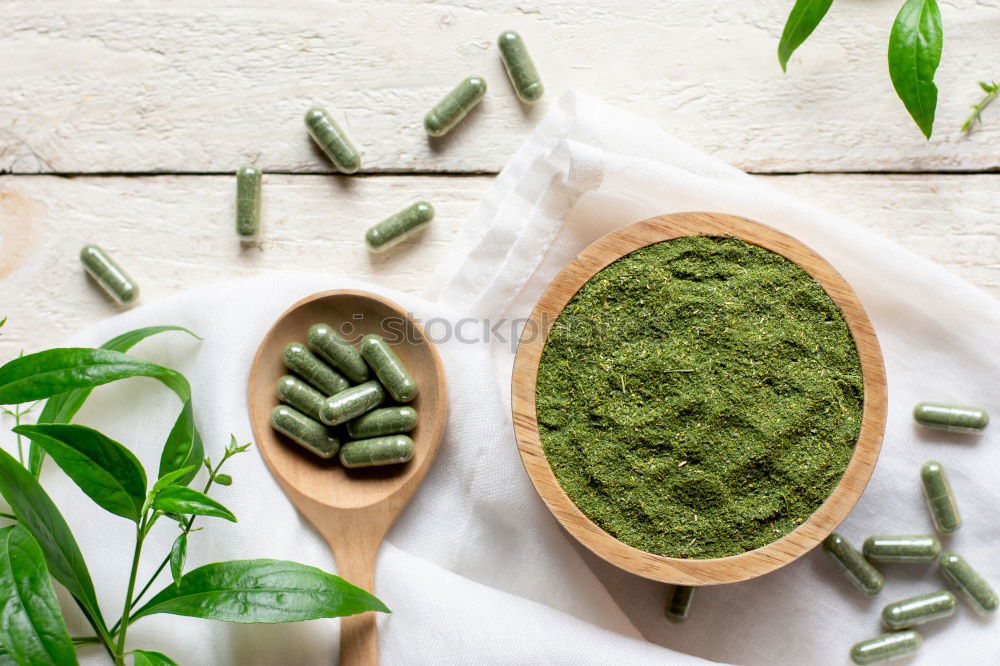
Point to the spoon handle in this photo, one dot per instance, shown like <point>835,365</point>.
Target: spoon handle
<point>356,564</point>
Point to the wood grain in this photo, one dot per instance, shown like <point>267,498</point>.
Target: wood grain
<point>687,571</point>
<point>196,87</point>
<point>173,233</point>
<point>351,509</point>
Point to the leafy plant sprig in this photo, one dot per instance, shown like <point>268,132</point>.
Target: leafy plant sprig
<point>40,546</point>
<point>914,52</point>
<point>976,117</point>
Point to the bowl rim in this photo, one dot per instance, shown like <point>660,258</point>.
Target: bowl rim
<point>734,568</point>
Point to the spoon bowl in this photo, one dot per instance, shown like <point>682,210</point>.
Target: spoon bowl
<point>351,509</point>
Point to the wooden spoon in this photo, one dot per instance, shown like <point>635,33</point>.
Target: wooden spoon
<point>352,509</point>
<point>679,571</point>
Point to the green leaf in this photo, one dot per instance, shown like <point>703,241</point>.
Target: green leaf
<point>48,373</point>
<point>224,479</point>
<point>31,625</point>
<point>130,339</point>
<point>63,407</point>
<point>803,19</point>
<point>261,591</point>
<point>146,658</point>
<point>183,447</point>
<point>173,478</point>
<point>187,501</point>
<point>103,469</point>
<point>178,554</point>
<point>37,513</point>
<point>914,54</point>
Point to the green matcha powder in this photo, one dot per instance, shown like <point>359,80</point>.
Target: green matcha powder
<point>700,397</point>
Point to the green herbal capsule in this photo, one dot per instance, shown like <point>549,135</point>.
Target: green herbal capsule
<point>385,421</point>
<point>886,647</point>
<point>403,224</point>
<point>327,134</point>
<point>679,604</point>
<point>295,392</point>
<point>858,570</point>
<point>902,548</point>
<point>304,431</point>
<point>116,282</point>
<point>951,417</point>
<point>520,68</point>
<point>388,368</point>
<point>248,202</point>
<point>973,587</point>
<point>454,106</point>
<point>940,498</point>
<point>307,365</point>
<point>351,403</point>
<point>918,610</point>
<point>338,352</point>
<point>377,451</point>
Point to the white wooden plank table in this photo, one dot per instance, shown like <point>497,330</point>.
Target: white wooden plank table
<point>121,124</point>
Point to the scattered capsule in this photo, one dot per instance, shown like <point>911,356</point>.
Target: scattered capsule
<point>918,610</point>
<point>385,421</point>
<point>886,647</point>
<point>248,202</point>
<point>307,365</point>
<point>295,392</point>
<point>304,431</point>
<point>327,134</point>
<point>520,68</point>
<point>858,570</point>
<point>902,548</point>
<point>376,452</point>
<point>400,226</point>
<point>109,275</point>
<point>388,368</point>
<point>679,604</point>
<point>351,403</point>
<point>338,352</point>
<point>955,418</point>
<point>454,106</point>
<point>973,587</point>
<point>940,498</point>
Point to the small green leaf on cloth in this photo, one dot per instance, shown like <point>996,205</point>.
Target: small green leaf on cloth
<point>261,591</point>
<point>103,469</point>
<point>147,658</point>
<point>187,501</point>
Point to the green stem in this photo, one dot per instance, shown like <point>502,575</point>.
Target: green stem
<point>17,422</point>
<point>977,109</point>
<point>86,640</point>
<point>102,633</point>
<point>7,516</point>
<point>120,650</point>
<point>166,560</point>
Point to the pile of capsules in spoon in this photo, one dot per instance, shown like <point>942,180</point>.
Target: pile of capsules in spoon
<point>336,385</point>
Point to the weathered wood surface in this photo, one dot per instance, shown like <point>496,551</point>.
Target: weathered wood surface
<point>176,232</point>
<point>192,86</point>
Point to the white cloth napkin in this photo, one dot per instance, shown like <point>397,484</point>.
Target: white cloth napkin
<point>476,570</point>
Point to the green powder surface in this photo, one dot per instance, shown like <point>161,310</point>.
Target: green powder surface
<point>700,397</point>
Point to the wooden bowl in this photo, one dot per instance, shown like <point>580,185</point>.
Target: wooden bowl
<point>691,571</point>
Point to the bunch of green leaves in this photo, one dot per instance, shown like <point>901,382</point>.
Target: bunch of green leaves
<point>914,52</point>
<point>39,546</point>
